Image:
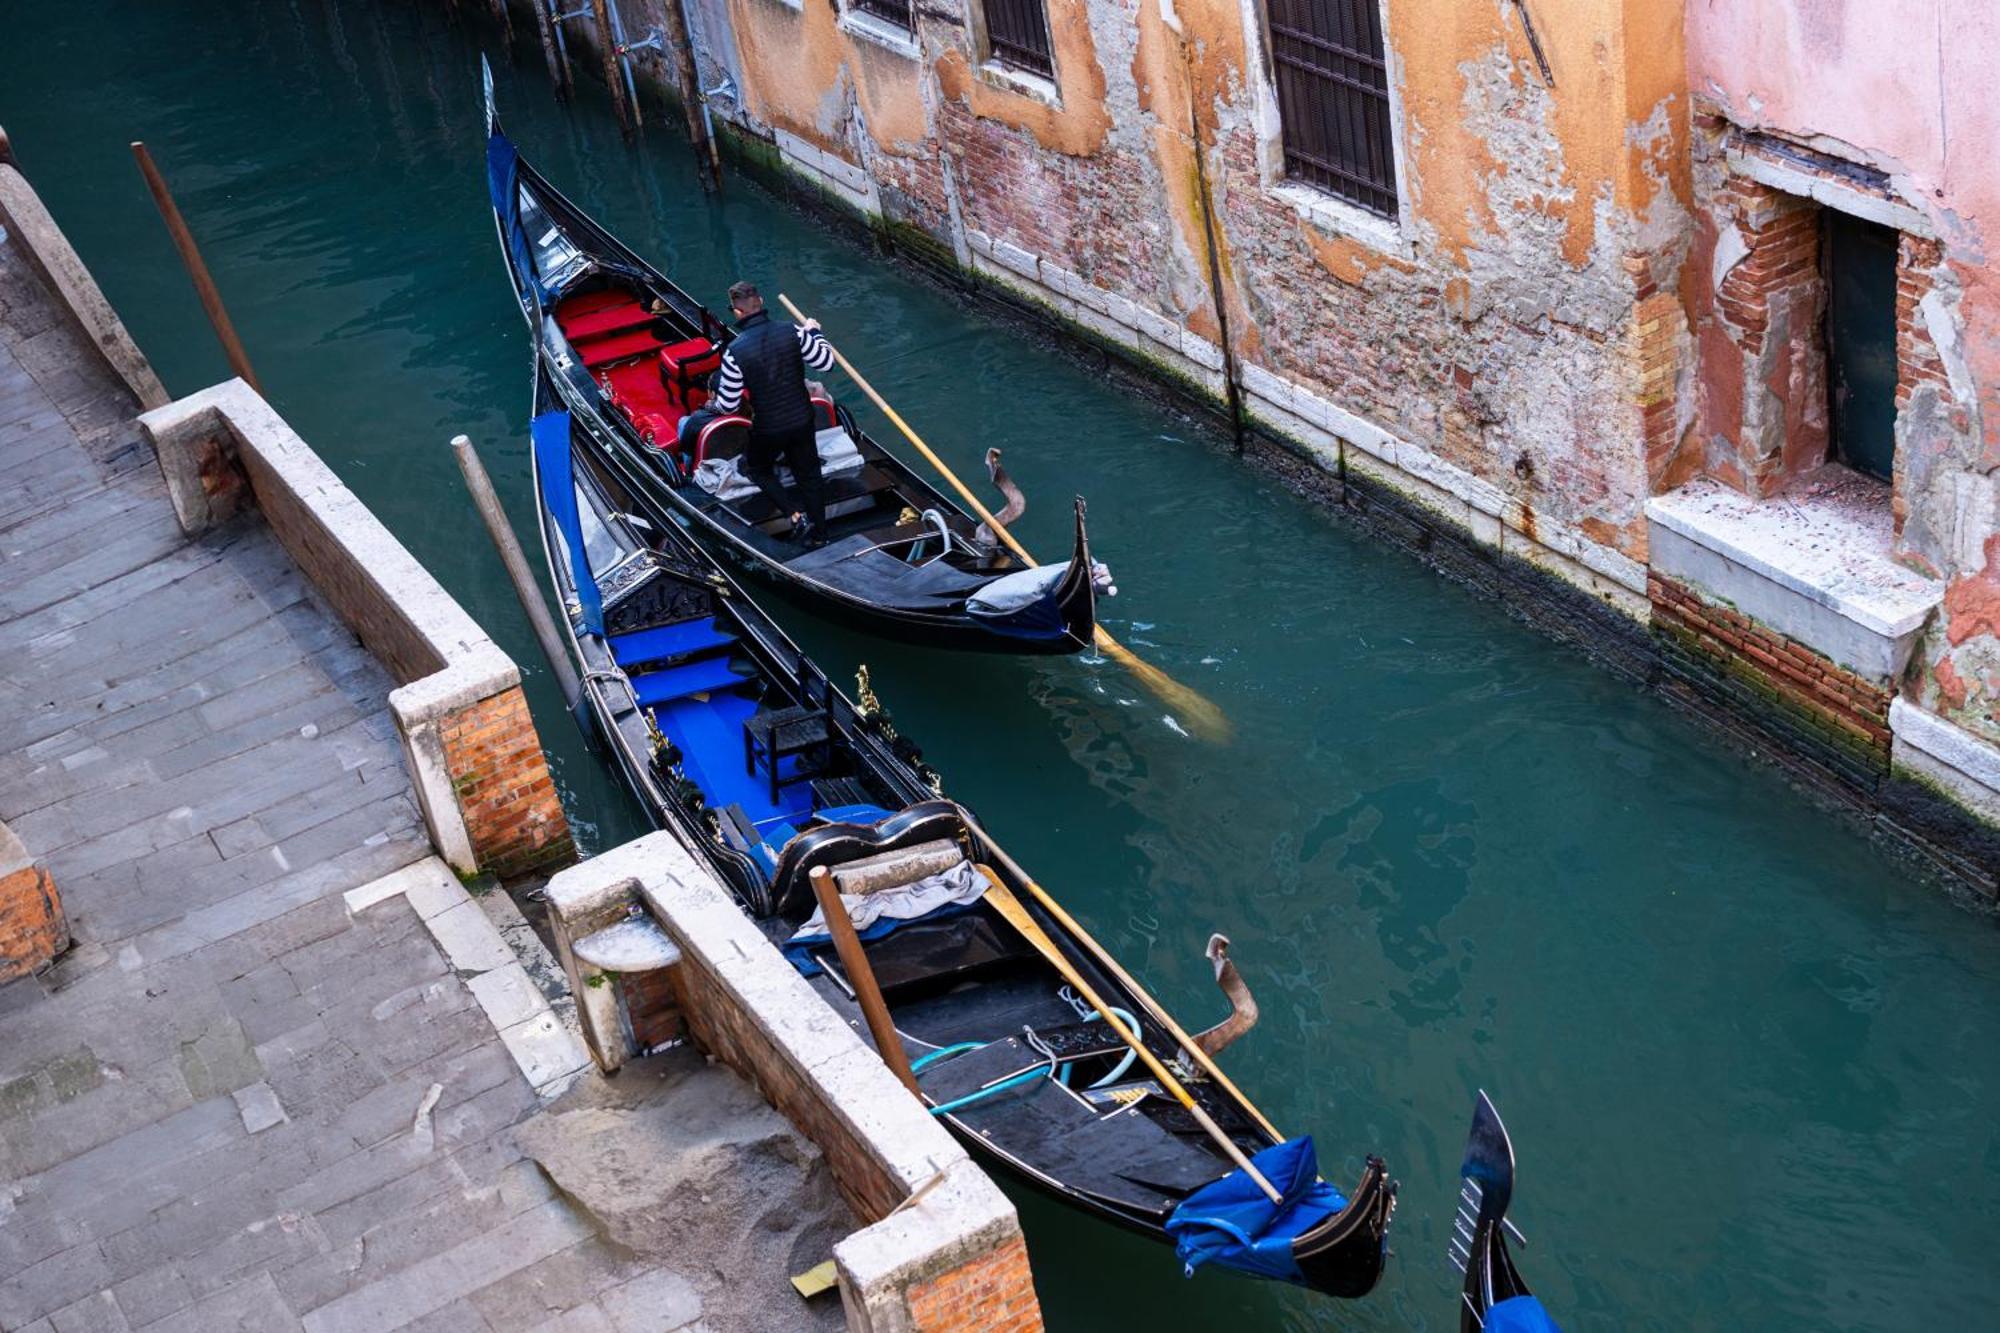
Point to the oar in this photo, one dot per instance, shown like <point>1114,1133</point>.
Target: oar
<point>1203,718</point>
<point>1110,964</point>
<point>1010,907</point>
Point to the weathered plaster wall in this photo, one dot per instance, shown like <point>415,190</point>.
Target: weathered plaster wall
<point>1907,89</point>
<point>1496,326</point>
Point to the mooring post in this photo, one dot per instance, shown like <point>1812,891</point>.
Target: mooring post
<point>553,50</point>
<point>680,49</point>
<point>506,23</point>
<point>495,518</point>
<point>607,41</point>
<point>204,286</point>
<point>862,977</point>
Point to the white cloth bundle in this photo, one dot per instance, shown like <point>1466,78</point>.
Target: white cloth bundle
<point>961,884</point>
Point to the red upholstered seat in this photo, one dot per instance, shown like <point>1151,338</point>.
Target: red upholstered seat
<point>636,389</point>
<point>688,365</point>
<point>603,351</point>
<point>610,319</point>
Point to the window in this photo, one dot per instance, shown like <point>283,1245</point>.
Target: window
<point>1017,35</point>
<point>1333,98</point>
<point>895,11</point>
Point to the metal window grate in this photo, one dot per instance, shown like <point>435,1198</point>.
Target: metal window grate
<point>1333,98</point>
<point>1018,33</point>
<point>895,11</point>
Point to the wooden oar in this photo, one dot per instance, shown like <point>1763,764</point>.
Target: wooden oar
<point>1010,907</point>
<point>1110,964</point>
<point>1202,717</point>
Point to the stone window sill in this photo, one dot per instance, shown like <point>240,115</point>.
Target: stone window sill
<point>881,32</point>
<point>1338,218</point>
<point>1813,564</point>
<point>1019,81</point>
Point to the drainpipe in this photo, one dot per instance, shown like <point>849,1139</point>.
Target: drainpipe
<point>1232,391</point>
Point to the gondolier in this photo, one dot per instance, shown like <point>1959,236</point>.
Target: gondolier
<point>770,361</point>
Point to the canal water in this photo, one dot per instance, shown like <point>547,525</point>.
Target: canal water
<point>1748,1060</point>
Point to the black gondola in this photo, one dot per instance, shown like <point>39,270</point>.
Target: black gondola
<point>632,353</point>
<point>1495,1298</point>
<point>745,750</point>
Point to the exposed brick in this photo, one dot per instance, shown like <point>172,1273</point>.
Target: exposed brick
<point>494,756</point>
<point>33,929</point>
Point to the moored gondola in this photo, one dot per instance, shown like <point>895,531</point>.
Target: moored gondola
<point>745,751</point>
<point>1495,1297</point>
<point>632,353</point>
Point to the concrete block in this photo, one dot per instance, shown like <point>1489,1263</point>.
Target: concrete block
<point>469,939</point>
<point>1164,331</point>
<point>545,1050</point>
<point>259,1107</point>
<point>1200,350</point>
<point>655,1302</point>
<point>1947,757</point>
<point>508,996</point>
<point>1014,258</point>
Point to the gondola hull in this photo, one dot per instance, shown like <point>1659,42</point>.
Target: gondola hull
<point>901,559</point>
<point>974,1003</point>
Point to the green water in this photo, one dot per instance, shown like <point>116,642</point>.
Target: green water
<point>1749,1063</point>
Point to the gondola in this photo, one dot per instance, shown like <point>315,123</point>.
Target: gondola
<point>1495,1298</point>
<point>632,353</point>
<point>739,745</point>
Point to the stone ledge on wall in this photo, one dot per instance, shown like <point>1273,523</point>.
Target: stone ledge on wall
<point>1816,568</point>
<point>1947,757</point>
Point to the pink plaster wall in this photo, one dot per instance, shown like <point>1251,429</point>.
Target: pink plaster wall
<point>1908,85</point>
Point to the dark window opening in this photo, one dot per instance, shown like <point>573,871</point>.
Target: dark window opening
<point>895,11</point>
<point>1333,98</point>
<point>1859,258</point>
<point>1017,35</point>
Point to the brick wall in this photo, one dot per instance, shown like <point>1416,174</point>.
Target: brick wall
<point>1836,706</point>
<point>494,757</point>
<point>986,1295</point>
<point>33,929</point>
<point>1763,372</point>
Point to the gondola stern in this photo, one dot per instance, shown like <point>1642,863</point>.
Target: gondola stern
<point>1344,1256</point>
<point>1076,595</point>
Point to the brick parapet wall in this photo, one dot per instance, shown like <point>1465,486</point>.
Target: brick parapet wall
<point>942,1248</point>
<point>33,927</point>
<point>508,799</point>
<point>1839,707</point>
<point>475,759</point>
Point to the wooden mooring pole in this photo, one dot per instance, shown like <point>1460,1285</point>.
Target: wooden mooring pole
<point>679,50</point>
<point>862,977</point>
<point>607,42</point>
<point>204,286</point>
<point>525,588</point>
<point>553,50</point>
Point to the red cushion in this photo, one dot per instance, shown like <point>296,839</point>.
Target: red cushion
<point>611,319</point>
<point>616,347</point>
<point>691,362</point>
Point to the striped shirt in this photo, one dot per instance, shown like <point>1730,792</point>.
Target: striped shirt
<point>814,350</point>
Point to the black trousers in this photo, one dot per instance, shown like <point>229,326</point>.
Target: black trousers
<point>800,450</point>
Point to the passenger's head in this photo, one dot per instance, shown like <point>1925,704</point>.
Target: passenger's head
<point>745,300</point>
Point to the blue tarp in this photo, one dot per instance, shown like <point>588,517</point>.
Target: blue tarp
<point>1523,1314</point>
<point>550,432</point>
<point>1234,1223</point>
<point>503,162</point>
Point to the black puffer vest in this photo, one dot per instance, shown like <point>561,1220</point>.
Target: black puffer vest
<point>774,374</point>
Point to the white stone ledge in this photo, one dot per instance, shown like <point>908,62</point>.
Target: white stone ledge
<point>1965,767</point>
<point>1814,567</point>
<point>845,179</point>
<point>48,250</point>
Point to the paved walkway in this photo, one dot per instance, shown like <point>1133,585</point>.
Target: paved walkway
<point>236,1103</point>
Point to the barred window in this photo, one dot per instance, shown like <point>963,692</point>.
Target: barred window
<point>1017,34</point>
<point>895,11</point>
<point>1333,99</point>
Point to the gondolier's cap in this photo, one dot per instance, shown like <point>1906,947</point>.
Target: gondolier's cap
<point>745,294</point>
